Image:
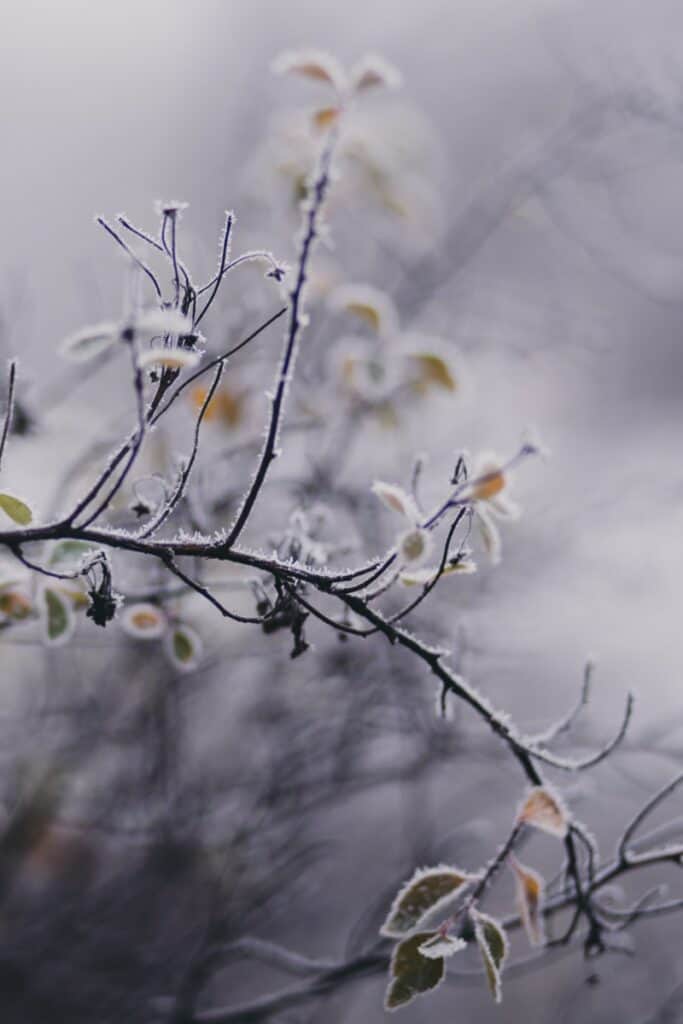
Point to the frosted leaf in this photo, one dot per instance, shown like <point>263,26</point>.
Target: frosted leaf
<point>434,369</point>
<point>423,894</point>
<point>544,809</point>
<point>373,70</point>
<point>395,498</point>
<point>171,358</point>
<point>490,535</point>
<point>58,621</point>
<point>411,972</point>
<point>154,322</point>
<point>503,507</point>
<point>423,577</point>
<point>313,64</point>
<point>374,307</point>
<point>493,945</point>
<point>89,341</point>
<point>488,485</point>
<point>530,891</point>
<point>143,620</point>
<point>442,946</point>
<point>14,604</point>
<point>17,510</point>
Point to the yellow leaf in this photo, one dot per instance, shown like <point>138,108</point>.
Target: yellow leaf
<point>435,370</point>
<point>17,510</point>
<point>232,407</point>
<point>15,605</point>
<point>370,314</point>
<point>371,305</point>
<point>198,397</point>
<point>144,621</point>
<point>489,485</point>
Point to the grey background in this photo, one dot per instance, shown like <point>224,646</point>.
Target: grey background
<point>564,299</point>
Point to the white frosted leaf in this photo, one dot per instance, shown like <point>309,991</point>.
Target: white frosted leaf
<point>442,946</point>
<point>171,358</point>
<point>395,498</point>
<point>490,535</point>
<point>154,322</point>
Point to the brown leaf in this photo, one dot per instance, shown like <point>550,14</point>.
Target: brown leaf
<point>530,889</point>
<point>543,809</point>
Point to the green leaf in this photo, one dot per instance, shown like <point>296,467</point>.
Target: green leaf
<point>426,891</point>
<point>17,510</point>
<point>59,618</point>
<point>411,972</point>
<point>184,647</point>
<point>493,946</point>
